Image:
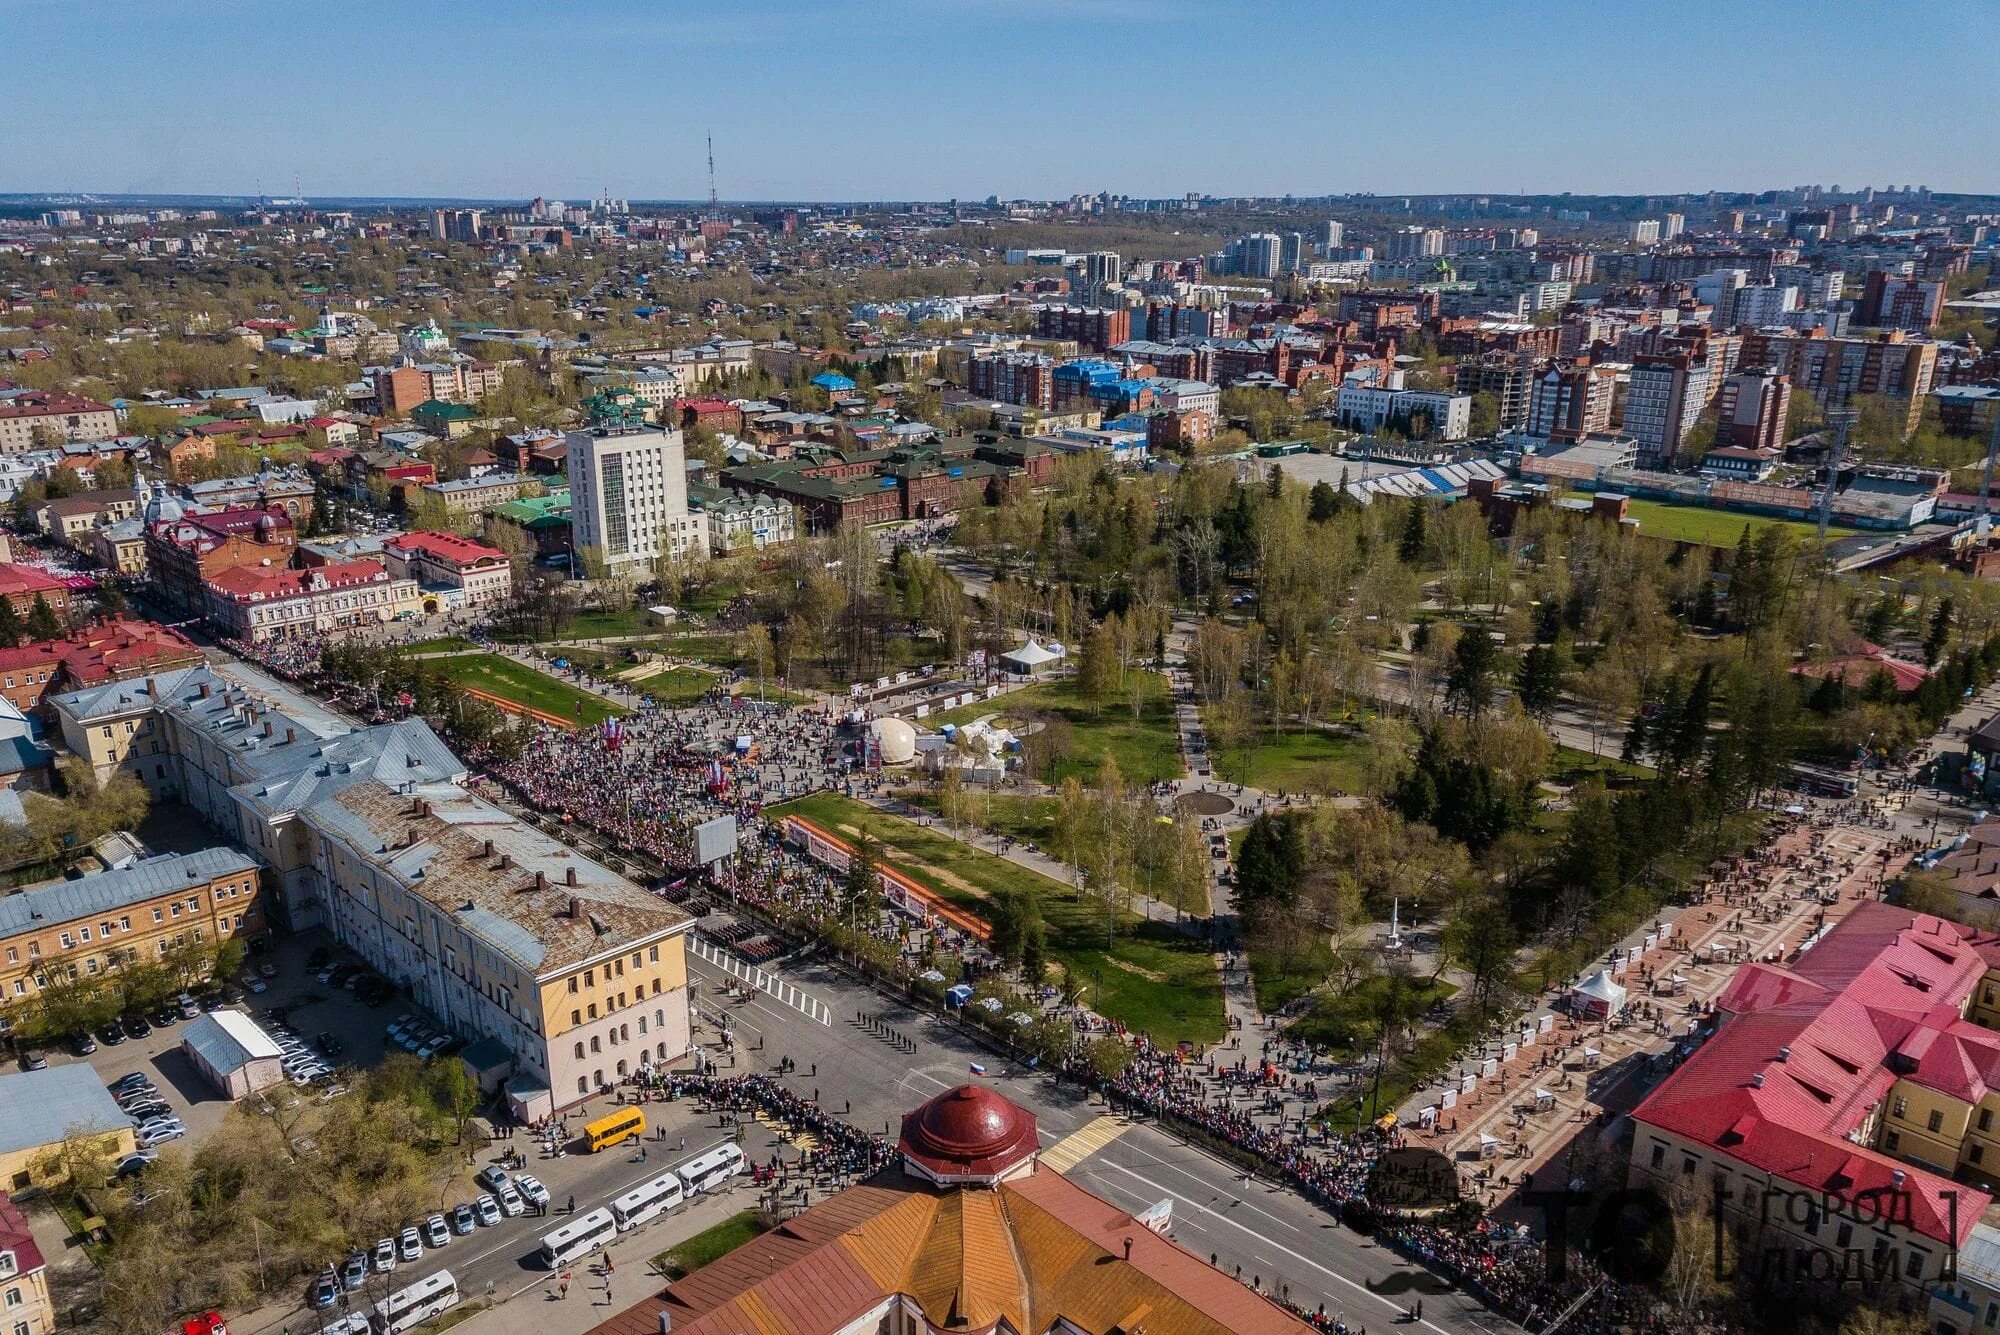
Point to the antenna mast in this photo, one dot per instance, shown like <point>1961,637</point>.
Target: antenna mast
<point>712,206</point>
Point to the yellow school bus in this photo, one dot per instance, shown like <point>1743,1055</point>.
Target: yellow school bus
<point>615,1128</point>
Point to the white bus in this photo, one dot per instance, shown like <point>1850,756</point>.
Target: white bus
<point>579,1237</point>
<point>648,1201</point>
<point>711,1168</point>
<point>418,1303</point>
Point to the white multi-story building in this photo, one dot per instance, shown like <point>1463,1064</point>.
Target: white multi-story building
<point>451,571</point>
<point>1644,232</point>
<point>1369,408</point>
<point>1328,236</point>
<point>1760,306</point>
<point>628,496</point>
<point>1412,243</point>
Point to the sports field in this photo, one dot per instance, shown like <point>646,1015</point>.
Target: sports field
<point>1712,528</point>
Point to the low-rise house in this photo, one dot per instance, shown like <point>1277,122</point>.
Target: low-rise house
<point>22,585</point>
<point>119,649</point>
<point>470,495</point>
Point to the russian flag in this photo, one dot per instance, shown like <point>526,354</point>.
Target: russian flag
<point>977,1068</point>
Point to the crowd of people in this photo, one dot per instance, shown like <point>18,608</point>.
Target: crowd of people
<point>646,782</point>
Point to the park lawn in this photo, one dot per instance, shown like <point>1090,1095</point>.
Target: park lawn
<point>1154,978</point>
<point>677,687</point>
<point>1147,747</point>
<point>711,1244</point>
<point>509,680</point>
<point>1026,820</point>
<point>1571,766</point>
<point>1302,760</point>
<point>717,649</point>
<point>1345,1022</point>
<point>446,644</point>
<point>1713,528</point>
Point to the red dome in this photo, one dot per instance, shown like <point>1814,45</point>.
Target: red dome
<point>968,1133</point>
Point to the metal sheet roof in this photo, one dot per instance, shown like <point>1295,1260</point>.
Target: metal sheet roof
<point>108,891</point>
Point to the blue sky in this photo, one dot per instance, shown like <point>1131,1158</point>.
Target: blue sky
<point>888,99</point>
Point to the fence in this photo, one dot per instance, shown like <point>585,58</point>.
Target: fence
<point>763,980</point>
<point>919,901</point>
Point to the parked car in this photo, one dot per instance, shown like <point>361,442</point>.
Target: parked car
<point>532,1190</point>
<point>83,1045</point>
<point>384,1256</point>
<point>436,1232</point>
<point>353,1271</point>
<point>487,1210</point>
<point>111,1035</point>
<point>492,1177</point>
<point>252,983</point>
<point>463,1221</point>
<point>267,969</point>
<point>325,1291</point>
<point>135,1163</point>
<point>136,1026</point>
<point>146,1110</point>
<point>510,1200</point>
<point>189,1006</point>
<point>409,1245</point>
<point>136,1079</point>
<point>34,1061</point>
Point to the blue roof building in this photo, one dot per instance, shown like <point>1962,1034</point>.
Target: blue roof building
<point>833,383</point>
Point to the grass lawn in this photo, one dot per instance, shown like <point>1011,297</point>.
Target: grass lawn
<point>509,680</point>
<point>1297,761</point>
<point>717,649</point>
<point>1572,766</point>
<point>1027,820</point>
<point>1345,1021</point>
<point>1154,978</point>
<point>1712,528</point>
<point>710,1244</point>
<point>448,644</point>
<point>1146,747</point>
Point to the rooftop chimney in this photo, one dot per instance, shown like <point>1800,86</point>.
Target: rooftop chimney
<point>291,735</point>
<point>203,689</point>
<point>1128,1249</point>
<point>268,730</point>
<point>486,849</point>
<point>1757,1080</point>
<point>153,688</point>
<point>1897,1176</point>
<point>1784,1054</point>
<point>575,907</point>
<point>541,880</point>
<point>569,876</point>
<point>666,1323</point>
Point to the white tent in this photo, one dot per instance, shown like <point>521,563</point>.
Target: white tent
<point>1031,657</point>
<point>1597,995</point>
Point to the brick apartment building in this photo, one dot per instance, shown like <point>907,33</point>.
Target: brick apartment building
<point>1833,370</point>
<point>1751,410</point>
<point>1097,328</point>
<point>55,415</point>
<point>115,650</point>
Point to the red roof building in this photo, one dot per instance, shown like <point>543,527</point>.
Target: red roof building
<point>21,585</point>
<point>115,650</point>
<point>454,571</point>
<point>1856,670</point>
<point>257,602</point>
<point>1866,1072</point>
<point>971,1234</point>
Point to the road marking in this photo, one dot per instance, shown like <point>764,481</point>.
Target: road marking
<point>1079,1145</point>
<point>1396,1307</point>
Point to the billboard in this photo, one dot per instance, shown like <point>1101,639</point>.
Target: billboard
<point>715,840</point>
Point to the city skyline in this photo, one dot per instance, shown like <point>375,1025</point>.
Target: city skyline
<point>887,100</point>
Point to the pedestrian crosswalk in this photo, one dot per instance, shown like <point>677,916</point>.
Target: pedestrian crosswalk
<point>1079,1145</point>
<point>803,1140</point>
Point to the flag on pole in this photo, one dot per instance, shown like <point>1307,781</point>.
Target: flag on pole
<point>978,1068</point>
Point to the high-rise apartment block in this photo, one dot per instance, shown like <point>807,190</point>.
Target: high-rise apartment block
<point>1752,408</point>
<point>628,489</point>
<point>1833,370</point>
<point>1664,401</point>
<point>1413,243</point>
<point>1569,402</point>
<point>1890,301</point>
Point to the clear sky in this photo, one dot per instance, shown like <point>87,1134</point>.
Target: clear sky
<point>929,99</point>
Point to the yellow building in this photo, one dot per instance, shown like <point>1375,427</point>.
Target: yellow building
<point>92,927</point>
<point>41,1110</point>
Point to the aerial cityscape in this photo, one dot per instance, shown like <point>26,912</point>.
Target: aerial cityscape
<point>705,682</point>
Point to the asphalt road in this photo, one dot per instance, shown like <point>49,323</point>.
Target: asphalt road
<point>1272,1233</point>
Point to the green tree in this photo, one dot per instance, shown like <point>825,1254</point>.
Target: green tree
<point>42,622</point>
<point>1539,683</point>
<point>10,625</point>
<point>1469,688</point>
<point>1410,548</point>
<point>864,878</point>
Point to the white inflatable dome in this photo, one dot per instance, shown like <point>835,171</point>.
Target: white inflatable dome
<point>896,740</point>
